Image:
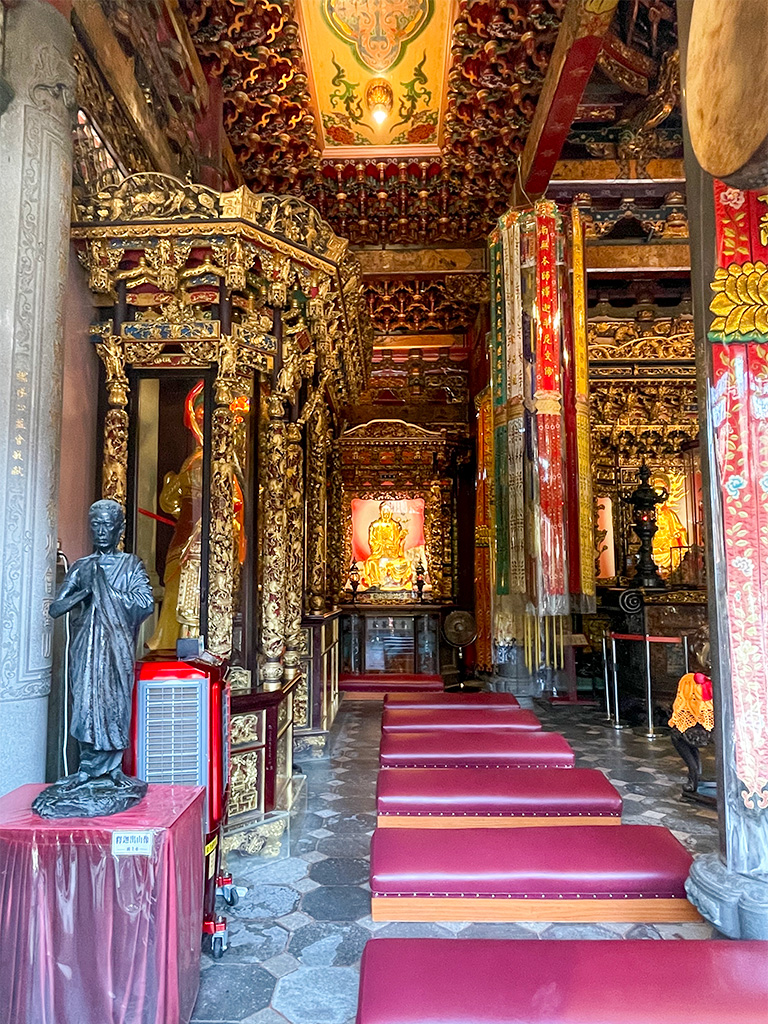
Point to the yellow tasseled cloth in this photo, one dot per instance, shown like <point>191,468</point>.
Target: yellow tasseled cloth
<point>693,703</point>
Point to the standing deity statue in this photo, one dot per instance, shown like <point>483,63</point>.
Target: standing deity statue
<point>670,531</point>
<point>109,595</point>
<point>387,564</point>
<point>182,498</point>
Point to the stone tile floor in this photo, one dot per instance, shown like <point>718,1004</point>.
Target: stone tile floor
<point>297,937</point>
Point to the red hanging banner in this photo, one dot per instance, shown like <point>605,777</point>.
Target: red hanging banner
<point>549,426</point>
<point>739,402</point>
<point>548,334</point>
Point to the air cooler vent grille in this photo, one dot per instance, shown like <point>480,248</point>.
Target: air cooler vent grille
<point>174,733</point>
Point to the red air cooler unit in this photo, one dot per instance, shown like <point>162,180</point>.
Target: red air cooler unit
<point>180,736</point>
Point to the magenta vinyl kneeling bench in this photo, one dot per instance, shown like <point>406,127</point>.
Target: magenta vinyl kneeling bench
<point>501,701</point>
<point>418,720</point>
<point>495,798</point>
<point>566,981</point>
<point>489,748</point>
<point>582,873</point>
<point>376,687</point>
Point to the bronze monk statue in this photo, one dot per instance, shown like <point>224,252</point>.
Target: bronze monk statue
<point>109,596</point>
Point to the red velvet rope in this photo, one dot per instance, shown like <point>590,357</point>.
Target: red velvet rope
<point>160,519</point>
<point>650,639</point>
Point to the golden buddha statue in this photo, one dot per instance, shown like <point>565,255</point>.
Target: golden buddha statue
<point>387,565</point>
<point>670,531</point>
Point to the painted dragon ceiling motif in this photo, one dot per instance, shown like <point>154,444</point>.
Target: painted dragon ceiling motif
<point>350,47</point>
<point>378,29</point>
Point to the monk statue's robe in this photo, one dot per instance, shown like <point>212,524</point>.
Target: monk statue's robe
<point>102,650</point>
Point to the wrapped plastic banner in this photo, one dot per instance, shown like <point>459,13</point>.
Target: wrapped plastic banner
<point>484,533</point>
<point>739,409</point>
<point>544,515</point>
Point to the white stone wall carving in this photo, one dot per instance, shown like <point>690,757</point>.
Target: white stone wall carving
<point>36,148</point>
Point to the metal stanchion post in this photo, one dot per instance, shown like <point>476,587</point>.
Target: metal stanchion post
<point>608,715</point>
<point>685,655</point>
<point>650,734</point>
<point>617,723</point>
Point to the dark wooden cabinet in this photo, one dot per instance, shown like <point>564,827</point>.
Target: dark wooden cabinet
<point>391,639</point>
<point>316,698</point>
<point>261,752</point>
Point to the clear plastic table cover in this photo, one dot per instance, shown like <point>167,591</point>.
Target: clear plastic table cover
<point>92,937</point>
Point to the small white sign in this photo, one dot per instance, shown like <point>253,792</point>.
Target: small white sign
<point>132,843</point>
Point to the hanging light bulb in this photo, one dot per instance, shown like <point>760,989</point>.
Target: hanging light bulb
<point>379,99</point>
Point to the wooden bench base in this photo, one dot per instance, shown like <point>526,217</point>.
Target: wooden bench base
<point>433,908</point>
<point>488,820</point>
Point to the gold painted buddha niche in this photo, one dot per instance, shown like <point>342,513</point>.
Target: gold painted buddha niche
<point>387,566</point>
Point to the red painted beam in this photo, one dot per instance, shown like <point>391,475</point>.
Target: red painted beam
<point>573,59</point>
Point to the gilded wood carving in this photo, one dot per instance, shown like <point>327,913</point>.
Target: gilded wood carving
<point>168,251</point>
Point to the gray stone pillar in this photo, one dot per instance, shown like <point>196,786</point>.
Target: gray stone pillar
<point>729,888</point>
<point>36,176</point>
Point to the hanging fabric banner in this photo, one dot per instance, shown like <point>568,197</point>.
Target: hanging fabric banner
<point>582,550</point>
<point>549,410</point>
<point>513,333</point>
<point>540,370</point>
<point>484,532</point>
<point>739,409</point>
<point>499,385</point>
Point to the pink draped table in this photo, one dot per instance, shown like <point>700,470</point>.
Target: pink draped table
<point>96,937</point>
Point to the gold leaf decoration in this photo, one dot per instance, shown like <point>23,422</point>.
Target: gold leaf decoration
<point>740,301</point>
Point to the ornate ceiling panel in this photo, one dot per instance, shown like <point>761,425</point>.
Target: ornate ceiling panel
<point>416,377</point>
<point>253,46</point>
<point>97,105</point>
<point>667,219</point>
<point>630,108</point>
<point>650,338</point>
<point>169,78</point>
<point>642,386</point>
<point>642,419</point>
<point>496,67</point>
<point>646,131</point>
<point>393,51</point>
<point>448,303</point>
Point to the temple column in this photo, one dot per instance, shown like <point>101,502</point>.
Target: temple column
<point>36,154</point>
<point>294,549</point>
<point>317,493</point>
<point>221,556</point>
<point>334,536</point>
<point>730,888</point>
<point>274,548</point>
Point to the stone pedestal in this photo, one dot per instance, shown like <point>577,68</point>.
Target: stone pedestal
<point>36,160</point>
